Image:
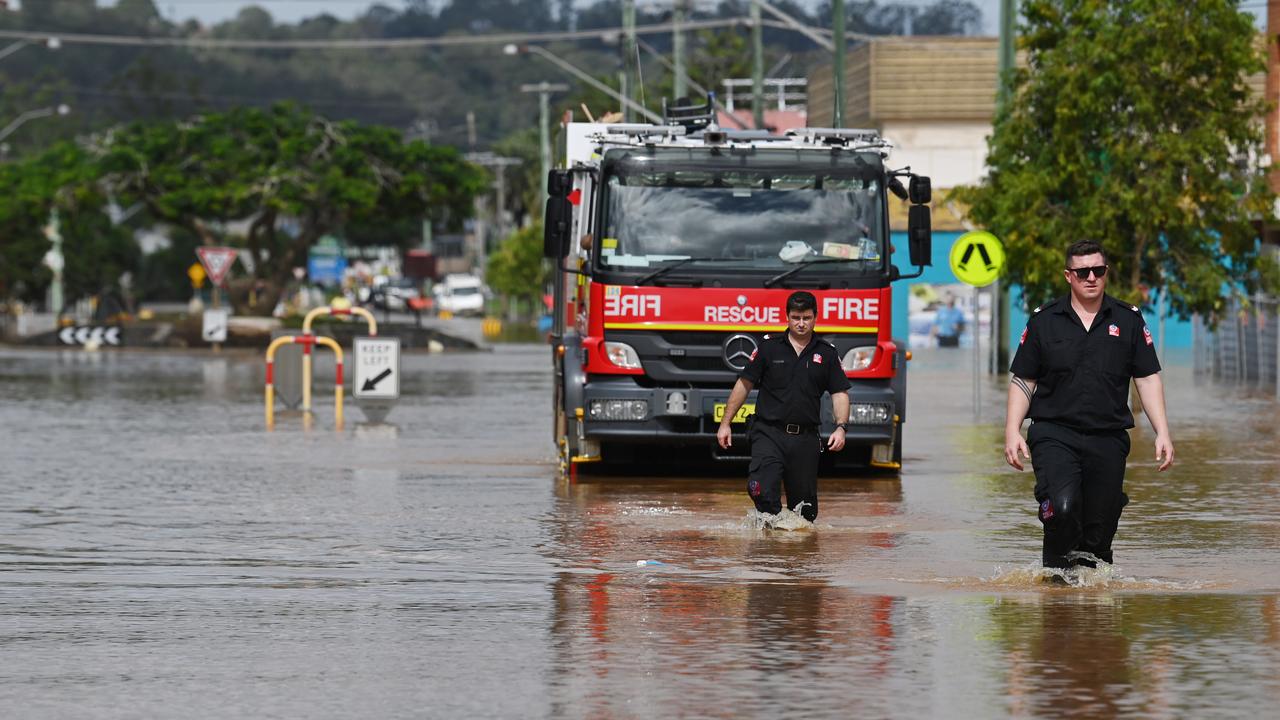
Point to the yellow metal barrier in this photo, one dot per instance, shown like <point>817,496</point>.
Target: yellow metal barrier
<point>306,349</point>
<point>491,327</point>
<point>307,341</point>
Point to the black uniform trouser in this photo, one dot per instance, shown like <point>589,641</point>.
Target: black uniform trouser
<point>1080,488</point>
<point>781,459</point>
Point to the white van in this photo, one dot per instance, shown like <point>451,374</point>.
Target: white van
<point>460,294</point>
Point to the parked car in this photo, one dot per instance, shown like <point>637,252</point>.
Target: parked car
<point>460,294</point>
<point>395,294</point>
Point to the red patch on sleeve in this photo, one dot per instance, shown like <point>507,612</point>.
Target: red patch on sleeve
<point>817,359</point>
<point>1024,336</point>
<point>1146,333</point>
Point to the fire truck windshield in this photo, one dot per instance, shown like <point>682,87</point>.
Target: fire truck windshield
<point>717,213</point>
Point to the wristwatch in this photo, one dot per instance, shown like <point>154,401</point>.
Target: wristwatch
<point>843,426</point>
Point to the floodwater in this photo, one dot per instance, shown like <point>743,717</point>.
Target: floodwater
<point>162,555</point>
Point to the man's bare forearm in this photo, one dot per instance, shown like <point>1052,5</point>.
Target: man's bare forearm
<point>736,398</point>
<point>1019,402</point>
<point>1151,390</point>
<point>840,406</point>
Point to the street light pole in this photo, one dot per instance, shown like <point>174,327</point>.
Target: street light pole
<point>52,43</point>
<point>32,115</point>
<point>693,84</point>
<point>584,77</point>
<point>544,90</point>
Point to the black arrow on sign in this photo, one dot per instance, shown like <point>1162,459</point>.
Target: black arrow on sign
<point>372,382</point>
<point>982,250</point>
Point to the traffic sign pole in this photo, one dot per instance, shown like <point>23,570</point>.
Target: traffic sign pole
<point>217,262</point>
<point>977,259</point>
<point>977,357</point>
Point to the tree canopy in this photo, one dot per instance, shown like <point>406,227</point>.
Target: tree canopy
<point>294,174</point>
<point>517,269</point>
<point>1131,124</point>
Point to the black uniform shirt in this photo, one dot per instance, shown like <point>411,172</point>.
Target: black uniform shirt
<point>790,385</point>
<point>1082,378</point>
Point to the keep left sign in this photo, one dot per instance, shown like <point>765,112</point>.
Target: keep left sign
<point>377,365</point>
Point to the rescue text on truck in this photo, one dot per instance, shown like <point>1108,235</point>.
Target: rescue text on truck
<point>675,251</point>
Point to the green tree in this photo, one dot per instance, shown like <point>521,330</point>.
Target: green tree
<point>96,252</point>
<point>517,270</point>
<point>1132,124</point>
<point>294,175</point>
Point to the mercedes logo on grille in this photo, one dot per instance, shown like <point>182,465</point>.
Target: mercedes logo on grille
<point>738,350</point>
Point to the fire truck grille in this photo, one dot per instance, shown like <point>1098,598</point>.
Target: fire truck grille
<point>701,358</point>
<point>699,363</point>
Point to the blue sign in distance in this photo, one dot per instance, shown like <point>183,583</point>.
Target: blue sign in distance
<point>326,269</point>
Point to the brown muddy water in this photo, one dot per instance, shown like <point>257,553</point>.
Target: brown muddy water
<point>161,555</point>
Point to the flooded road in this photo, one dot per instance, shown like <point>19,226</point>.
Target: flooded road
<point>160,554</point>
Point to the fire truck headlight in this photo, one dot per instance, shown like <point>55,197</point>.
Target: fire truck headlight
<point>859,358</point>
<point>622,355</point>
<point>869,414</point>
<point>619,409</point>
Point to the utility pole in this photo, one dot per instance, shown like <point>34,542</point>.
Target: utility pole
<point>498,164</point>
<point>1272,94</point>
<point>837,79</point>
<point>628,54</point>
<point>1001,304</point>
<point>544,90</point>
<point>1008,18</point>
<point>677,46</point>
<point>757,66</point>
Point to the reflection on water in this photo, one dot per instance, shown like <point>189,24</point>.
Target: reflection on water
<point>157,546</point>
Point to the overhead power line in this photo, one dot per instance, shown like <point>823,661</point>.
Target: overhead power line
<point>403,43</point>
<point>356,43</point>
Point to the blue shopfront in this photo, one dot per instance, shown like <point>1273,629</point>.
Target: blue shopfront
<point>911,317</point>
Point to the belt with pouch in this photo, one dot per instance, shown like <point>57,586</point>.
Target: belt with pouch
<point>790,428</point>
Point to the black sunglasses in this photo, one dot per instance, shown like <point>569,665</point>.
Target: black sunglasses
<point>1099,271</point>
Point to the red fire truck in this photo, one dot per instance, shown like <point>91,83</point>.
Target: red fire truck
<point>675,248</point>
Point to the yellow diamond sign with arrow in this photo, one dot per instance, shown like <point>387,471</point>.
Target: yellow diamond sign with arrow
<point>977,258</point>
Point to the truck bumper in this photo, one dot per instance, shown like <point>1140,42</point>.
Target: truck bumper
<point>686,416</point>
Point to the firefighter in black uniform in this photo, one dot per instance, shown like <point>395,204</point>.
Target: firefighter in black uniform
<point>792,371</point>
<point>1071,377</point>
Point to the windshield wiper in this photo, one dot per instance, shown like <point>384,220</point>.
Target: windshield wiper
<point>679,263</point>
<point>801,266</point>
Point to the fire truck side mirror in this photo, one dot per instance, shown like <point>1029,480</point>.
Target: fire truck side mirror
<point>919,235</point>
<point>555,228</point>
<point>558,216</point>
<point>921,189</point>
<point>559,183</point>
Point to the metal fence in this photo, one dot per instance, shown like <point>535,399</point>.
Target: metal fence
<point>1244,346</point>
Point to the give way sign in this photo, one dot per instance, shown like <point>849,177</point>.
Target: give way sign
<point>217,262</point>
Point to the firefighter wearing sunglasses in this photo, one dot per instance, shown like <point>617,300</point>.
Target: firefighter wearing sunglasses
<point>1071,378</point>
